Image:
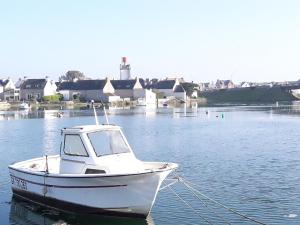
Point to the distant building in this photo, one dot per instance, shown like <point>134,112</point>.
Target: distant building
<point>246,84</point>
<point>7,84</point>
<point>110,97</point>
<point>20,82</point>
<point>128,88</point>
<point>150,97</point>
<point>180,93</point>
<point>8,90</point>
<point>224,84</point>
<point>206,86</point>
<point>166,87</point>
<point>86,90</point>
<point>169,88</point>
<point>191,89</point>
<point>67,89</point>
<point>36,89</point>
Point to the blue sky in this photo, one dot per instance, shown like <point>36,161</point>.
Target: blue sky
<point>245,40</point>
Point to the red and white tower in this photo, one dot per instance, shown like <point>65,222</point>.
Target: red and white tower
<point>124,69</point>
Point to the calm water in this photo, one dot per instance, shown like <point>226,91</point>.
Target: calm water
<point>248,160</point>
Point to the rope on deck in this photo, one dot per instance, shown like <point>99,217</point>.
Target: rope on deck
<point>195,191</point>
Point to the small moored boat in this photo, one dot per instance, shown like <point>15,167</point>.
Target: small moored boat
<point>95,172</point>
<point>24,106</point>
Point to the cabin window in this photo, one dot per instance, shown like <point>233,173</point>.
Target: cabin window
<point>108,142</point>
<point>74,145</point>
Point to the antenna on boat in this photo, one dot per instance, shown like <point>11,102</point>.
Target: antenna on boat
<point>47,169</point>
<point>106,118</point>
<point>95,114</point>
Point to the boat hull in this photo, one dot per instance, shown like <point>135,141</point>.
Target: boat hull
<point>130,195</point>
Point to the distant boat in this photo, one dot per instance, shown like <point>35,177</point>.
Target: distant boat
<point>24,106</point>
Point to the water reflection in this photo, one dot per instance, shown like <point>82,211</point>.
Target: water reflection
<point>193,110</point>
<point>185,112</point>
<point>25,213</point>
<point>51,128</point>
<point>249,159</point>
<point>27,114</point>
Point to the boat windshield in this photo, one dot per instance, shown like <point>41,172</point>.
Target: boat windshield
<point>108,142</point>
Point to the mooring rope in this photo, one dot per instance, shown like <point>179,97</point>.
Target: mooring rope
<point>188,185</point>
<point>177,179</point>
<point>206,205</point>
<point>190,206</point>
<point>167,185</point>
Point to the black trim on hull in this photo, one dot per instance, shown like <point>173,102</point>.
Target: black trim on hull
<point>70,207</point>
<point>60,186</point>
<point>91,175</point>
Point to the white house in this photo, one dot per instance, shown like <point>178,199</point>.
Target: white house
<point>67,90</point>
<point>169,88</point>
<point>166,87</point>
<point>8,90</point>
<point>180,93</point>
<point>110,97</point>
<point>37,89</point>
<point>132,89</point>
<point>148,97</point>
<point>86,90</point>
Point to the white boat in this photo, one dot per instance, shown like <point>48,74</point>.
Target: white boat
<point>96,172</point>
<point>24,106</point>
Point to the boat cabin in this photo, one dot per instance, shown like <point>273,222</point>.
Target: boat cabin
<point>96,149</point>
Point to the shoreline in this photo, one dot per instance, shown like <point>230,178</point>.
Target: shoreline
<point>83,105</point>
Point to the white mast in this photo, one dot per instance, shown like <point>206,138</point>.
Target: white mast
<point>95,113</point>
